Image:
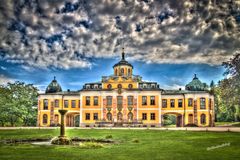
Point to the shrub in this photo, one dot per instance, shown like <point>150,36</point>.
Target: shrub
<point>109,137</point>
<point>91,145</point>
<point>135,140</point>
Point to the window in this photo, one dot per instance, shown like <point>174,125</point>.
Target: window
<point>130,100</point>
<point>109,100</point>
<point>119,116</point>
<point>172,103</point>
<point>144,100</point>
<point>164,103</point>
<point>95,103</point>
<point>129,72</point>
<point>119,86</point>
<point>203,119</point>
<point>144,116</point>
<point>210,103</point>
<point>56,102</point>
<point>190,102</point>
<point>56,118</point>
<point>109,116</point>
<point>115,72</point>
<point>119,101</point>
<point>153,86</point>
<point>122,71</point>
<point>45,104</point>
<point>65,103</point>
<point>130,116</point>
<point>87,116</point>
<point>152,116</point>
<point>79,103</point>
<point>130,86</point>
<point>202,103</point>
<point>95,116</point>
<point>180,103</point>
<point>109,86</point>
<point>87,101</point>
<point>73,104</point>
<point>45,119</point>
<point>152,100</point>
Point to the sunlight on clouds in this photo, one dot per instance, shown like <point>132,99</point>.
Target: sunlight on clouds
<point>68,34</point>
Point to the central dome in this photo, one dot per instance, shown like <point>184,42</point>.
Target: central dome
<point>123,62</point>
<point>53,87</point>
<point>196,85</point>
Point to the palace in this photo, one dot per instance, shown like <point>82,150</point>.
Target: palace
<point>124,99</point>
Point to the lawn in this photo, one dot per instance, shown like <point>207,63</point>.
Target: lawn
<point>232,124</point>
<point>150,144</point>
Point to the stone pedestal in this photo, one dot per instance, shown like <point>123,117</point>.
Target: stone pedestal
<point>62,139</point>
<point>62,130</point>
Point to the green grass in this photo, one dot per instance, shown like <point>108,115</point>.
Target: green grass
<point>151,144</point>
<point>232,124</point>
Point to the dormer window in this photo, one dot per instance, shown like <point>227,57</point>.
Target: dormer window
<point>149,86</point>
<point>88,87</point>
<point>153,86</point>
<point>145,86</point>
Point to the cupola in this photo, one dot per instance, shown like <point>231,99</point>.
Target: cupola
<point>53,87</point>
<point>123,67</point>
<point>196,85</point>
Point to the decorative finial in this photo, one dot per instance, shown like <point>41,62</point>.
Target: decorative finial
<point>123,54</point>
<point>54,78</point>
<point>195,76</point>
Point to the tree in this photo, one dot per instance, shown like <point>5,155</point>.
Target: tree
<point>18,103</point>
<point>227,93</point>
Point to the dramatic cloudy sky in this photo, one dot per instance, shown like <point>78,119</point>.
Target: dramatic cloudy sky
<point>80,40</point>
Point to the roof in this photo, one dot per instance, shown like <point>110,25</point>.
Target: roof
<point>62,93</point>
<point>180,92</point>
<point>123,61</point>
<point>196,85</point>
<point>53,87</point>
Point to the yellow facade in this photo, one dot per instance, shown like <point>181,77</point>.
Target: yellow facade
<point>124,99</point>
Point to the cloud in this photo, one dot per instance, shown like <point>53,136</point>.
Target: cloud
<point>67,34</point>
<point>3,68</point>
<point>4,80</point>
<point>41,88</point>
<point>173,87</point>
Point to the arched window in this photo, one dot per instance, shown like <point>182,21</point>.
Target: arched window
<point>109,86</point>
<point>122,71</point>
<point>119,116</point>
<point>130,116</point>
<point>129,71</point>
<point>45,119</point>
<point>56,117</point>
<point>203,118</point>
<point>109,116</point>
